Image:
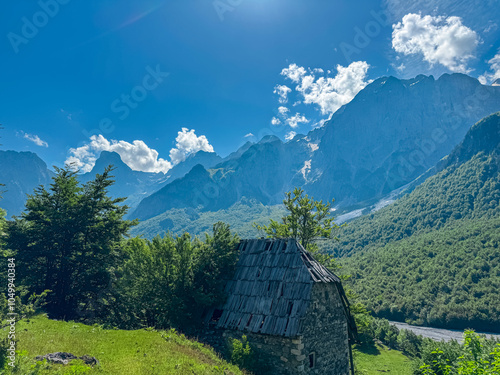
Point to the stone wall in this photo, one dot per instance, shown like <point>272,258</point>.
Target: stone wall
<point>325,333</point>
<point>274,354</point>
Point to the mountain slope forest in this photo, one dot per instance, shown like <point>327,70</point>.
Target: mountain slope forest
<point>242,215</point>
<point>433,257</point>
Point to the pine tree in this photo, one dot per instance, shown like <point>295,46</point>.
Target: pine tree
<point>67,239</point>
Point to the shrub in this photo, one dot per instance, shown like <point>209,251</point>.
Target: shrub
<point>241,353</point>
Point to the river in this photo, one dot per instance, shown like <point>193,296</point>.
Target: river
<point>439,334</point>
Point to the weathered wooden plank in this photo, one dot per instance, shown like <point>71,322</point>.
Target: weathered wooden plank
<point>256,323</point>
<point>293,327</point>
<point>268,325</point>
<point>271,288</point>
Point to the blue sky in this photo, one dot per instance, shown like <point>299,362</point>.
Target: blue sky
<point>207,75</point>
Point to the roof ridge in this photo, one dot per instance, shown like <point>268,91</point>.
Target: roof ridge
<point>318,272</point>
<point>271,288</point>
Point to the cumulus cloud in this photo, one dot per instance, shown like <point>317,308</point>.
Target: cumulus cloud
<point>187,142</point>
<point>289,136</point>
<point>494,74</point>
<point>439,40</point>
<point>35,139</point>
<point>329,93</point>
<point>294,73</point>
<point>296,119</point>
<point>478,12</point>
<point>283,92</point>
<point>283,110</point>
<point>137,155</point>
<point>275,121</point>
<point>249,135</point>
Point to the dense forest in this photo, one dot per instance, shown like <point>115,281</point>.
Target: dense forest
<point>445,278</point>
<point>468,191</point>
<point>432,257</point>
<point>242,215</point>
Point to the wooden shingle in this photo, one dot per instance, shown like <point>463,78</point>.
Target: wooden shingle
<point>271,288</point>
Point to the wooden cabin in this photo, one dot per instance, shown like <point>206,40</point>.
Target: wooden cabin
<point>293,310</point>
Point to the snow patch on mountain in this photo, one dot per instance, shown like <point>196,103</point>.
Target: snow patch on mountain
<point>313,146</point>
<point>306,169</point>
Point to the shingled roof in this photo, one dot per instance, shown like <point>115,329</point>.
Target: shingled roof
<point>271,288</point>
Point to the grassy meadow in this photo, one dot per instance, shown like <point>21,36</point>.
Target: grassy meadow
<point>144,352</point>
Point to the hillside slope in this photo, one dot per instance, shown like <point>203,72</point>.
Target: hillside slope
<point>464,188</point>
<point>433,257</point>
<point>137,352</point>
<point>446,278</point>
<point>239,216</point>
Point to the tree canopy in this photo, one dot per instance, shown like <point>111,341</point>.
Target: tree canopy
<point>305,221</point>
<point>66,240</point>
<point>170,281</point>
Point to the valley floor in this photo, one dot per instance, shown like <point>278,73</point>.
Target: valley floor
<point>439,334</point>
<point>378,359</point>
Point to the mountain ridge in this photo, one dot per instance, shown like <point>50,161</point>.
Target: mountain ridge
<point>392,132</point>
<point>129,183</point>
<point>19,185</point>
<point>432,256</point>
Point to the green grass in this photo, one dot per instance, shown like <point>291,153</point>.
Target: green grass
<point>119,352</point>
<point>379,359</point>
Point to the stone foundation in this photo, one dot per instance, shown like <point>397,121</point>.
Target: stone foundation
<point>325,333</point>
<point>323,343</point>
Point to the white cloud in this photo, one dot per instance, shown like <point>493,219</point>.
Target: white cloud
<point>283,110</point>
<point>294,73</point>
<point>296,119</point>
<point>187,143</point>
<point>35,139</point>
<point>275,121</point>
<point>489,77</point>
<point>249,135</point>
<point>289,136</point>
<point>137,155</point>
<point>495,65</point>
<point>477,12</point>
<point>439,40</point>
<point>283,92</point>
<point>329,93</point>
